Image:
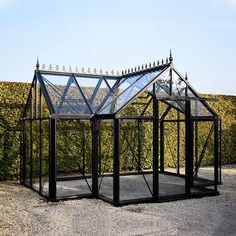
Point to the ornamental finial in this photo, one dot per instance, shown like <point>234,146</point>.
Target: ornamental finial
<point>186,76</point>
<point>170,58</point>
<point>37,64</point>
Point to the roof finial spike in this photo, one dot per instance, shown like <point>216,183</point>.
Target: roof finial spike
<point>100,71</point>
<point>167,60</point>
<point>162,61</point>
<point>154,64</point>
<point>158,63</point>
<point>150,65</point>
<point>170,58</point>
<point>186,76</point>
<point>95,71</point>
<point>37,64</point>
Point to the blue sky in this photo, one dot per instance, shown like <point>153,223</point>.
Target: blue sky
<point>120,34</point>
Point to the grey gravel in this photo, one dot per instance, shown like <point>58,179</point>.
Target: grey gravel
<point>24,212</point>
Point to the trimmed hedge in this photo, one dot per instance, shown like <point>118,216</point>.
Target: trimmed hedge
<point>13,97</point>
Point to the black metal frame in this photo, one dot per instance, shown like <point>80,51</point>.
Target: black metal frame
<point>158,120</point>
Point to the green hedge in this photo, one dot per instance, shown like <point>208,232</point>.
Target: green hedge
<point>13,97</point>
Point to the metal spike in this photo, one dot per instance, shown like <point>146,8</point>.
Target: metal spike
<point>132,70</point>
<point>95,71</point>
<point>142,67</point>
<point>100,71</point>
<point>167,60</point>
<point>162,61</point>
<point>50,67</point>
<point>125,72</point>
<point>89,71</point>
<point>63,68</point>
<point>146,66</point>
<point>122,72</point>
<point>70,69</point>
<point>106,72</point>
<point>150,65</point>
<point>118,73</point>
<point>37,64</point>
<point>82,69</point>
<point>112,72</point>
<point>138,68</point>
<point>158,63</point>
<point>128,71</point>
<point>186,76</point>
<point>154,64</point>
<point>170,58</point>
<point>135,69</point>
<point>57,67</point>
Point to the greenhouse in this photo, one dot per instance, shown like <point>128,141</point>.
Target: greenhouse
<point>142,135</point>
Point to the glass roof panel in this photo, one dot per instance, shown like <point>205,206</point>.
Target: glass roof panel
<point>65,95</point>
<point>100,96</point>
<point>94,89</point>
<point>126,90</point>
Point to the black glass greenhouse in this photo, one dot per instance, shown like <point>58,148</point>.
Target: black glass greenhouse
<point>142,136</point>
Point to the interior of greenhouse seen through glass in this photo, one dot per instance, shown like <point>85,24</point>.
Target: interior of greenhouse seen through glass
<point>142,135</point>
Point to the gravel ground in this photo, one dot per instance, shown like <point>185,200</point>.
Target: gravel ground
<point>23,212</point>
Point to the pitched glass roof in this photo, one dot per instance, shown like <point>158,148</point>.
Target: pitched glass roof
<point>88,94</point>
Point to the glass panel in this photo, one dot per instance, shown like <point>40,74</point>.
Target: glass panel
<point>135,160</point>
<point>74,158</point>
<point>27,152</point>
<point>35,153</point>
<point>111,82</point>
<point>105,159</point>
<point>100,96</point>
<point>198,109</point>
<point>45,156</point>
<point>94,89</point>
<point>178,85</point>
<point>126,91</point>
<point>203,165</point>
<point>65,95</point>
<point>171,182</point>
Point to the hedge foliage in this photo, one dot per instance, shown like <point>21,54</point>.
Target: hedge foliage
<point>13,97</point>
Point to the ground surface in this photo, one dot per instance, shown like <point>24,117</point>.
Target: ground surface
<point>23,212</point>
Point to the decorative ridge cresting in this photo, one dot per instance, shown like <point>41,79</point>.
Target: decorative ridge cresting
<point>130,71</point>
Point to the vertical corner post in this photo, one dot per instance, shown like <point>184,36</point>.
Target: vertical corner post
<point>178,143</point>
<point>95,135</point>
<point>22,151</point>
<point>155,146</point>
<point>52,161</point>
<point>188,149</point>
<point>116,162</point>
<point>216,153</point>
<point>162,146</point>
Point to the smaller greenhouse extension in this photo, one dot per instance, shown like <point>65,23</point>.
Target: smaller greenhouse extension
<point>142,136</point>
